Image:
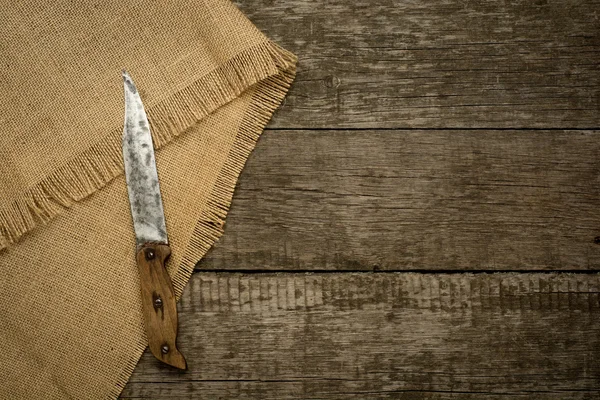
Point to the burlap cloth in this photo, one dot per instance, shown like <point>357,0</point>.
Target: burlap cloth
<point>70,313</point>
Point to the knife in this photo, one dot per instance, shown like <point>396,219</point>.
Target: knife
<point>152,246</point>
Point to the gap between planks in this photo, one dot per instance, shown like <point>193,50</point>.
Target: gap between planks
<point>393,271</point>
<point>399,128</point>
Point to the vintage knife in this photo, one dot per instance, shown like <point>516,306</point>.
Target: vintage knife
<point>158,298</point>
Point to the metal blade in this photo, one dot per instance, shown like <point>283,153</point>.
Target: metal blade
<point>140,171</point>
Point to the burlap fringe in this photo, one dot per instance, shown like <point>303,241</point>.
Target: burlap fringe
<point>269,94</point>
<point>236,76</point>
<point>94,168</point>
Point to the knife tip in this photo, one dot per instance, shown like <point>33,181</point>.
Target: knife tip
<point>128,81</point>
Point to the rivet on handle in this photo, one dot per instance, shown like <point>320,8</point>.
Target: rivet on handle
<point>158,303</point>
<point>149,254</point>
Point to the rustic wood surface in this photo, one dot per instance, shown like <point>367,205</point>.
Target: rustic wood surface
<point>440,63</point>
<point>415,199</point>
<point>436,137</point>
<point>383,335</point>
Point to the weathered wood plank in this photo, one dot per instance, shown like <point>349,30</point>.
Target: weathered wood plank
<point>383,335</point>
<point>440,63</point>
<point>398,200</point>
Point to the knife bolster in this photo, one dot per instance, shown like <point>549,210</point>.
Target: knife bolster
<point>158,302</point>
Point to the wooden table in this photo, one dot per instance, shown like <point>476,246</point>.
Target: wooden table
<point>420,219</point>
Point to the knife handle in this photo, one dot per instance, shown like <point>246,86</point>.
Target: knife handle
<point>158,300</point>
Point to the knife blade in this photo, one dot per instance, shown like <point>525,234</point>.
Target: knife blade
<point>152,246</point>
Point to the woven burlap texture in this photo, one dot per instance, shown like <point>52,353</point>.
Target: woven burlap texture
<point>70,312</point>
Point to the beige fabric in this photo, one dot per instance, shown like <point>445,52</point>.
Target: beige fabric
<point>70,313</point>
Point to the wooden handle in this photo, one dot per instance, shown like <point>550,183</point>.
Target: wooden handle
<point>158,300</point>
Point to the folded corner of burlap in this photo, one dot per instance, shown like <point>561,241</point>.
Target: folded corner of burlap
<point>70,301</point>
<point>267,66</point>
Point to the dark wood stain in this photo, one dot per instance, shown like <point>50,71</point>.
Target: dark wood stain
<point>437,64</point>
<point>416,199</point>
<point>438,137</point>
<point>386,335</point>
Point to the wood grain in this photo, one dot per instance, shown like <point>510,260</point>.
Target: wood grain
<point>158,301</point>
<point>464,193</point>
<point>383,335</point>
<point>414,200</point>
<point>391,64</point>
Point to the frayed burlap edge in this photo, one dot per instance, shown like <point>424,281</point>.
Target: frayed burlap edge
<point>94,168</point>
<point>269,93</point>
